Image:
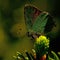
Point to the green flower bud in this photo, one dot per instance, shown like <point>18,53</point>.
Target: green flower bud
<point>41,45</point>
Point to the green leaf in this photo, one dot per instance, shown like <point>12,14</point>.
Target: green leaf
<point>20,55</point>
<point>54,56</point>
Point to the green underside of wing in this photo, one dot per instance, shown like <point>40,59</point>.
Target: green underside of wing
<point>29,17</point>
<point>40,23</point>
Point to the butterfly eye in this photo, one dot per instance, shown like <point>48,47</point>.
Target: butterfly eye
<point>28,34</point>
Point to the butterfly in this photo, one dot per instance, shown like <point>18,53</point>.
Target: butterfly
<point>38,22</point>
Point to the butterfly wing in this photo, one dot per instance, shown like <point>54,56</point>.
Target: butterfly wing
<point>37,21</point>
<point>40,23</point>
<point>30,14</point>
<point>43,23</point>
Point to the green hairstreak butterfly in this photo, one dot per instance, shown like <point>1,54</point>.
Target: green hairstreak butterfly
<point>37,22</point>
